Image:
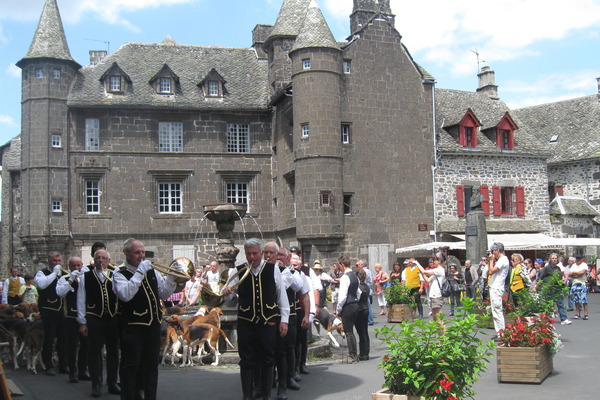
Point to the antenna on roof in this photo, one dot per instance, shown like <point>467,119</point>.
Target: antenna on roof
<point>479,62</point>
<point>101,41</point>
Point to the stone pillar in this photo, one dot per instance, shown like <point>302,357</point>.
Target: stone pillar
<point>476,235</point>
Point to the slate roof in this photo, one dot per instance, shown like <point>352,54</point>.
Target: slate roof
<point>245,75</point>
<point>290,18</point>
<point>314,31</point>
<point>49,40</point>
<point>567,205</point>
<point>575,121</point>
<point>452,105</point>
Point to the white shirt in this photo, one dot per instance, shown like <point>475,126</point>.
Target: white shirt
<point>282,299</point>
<point>125,288</point>
<point>583,267</point>
<point>435,288</point>
<point>42,281</point>
<point>499,277</point>
<point>81,304</point>
<point>343,294</point>
<point>5,287</point>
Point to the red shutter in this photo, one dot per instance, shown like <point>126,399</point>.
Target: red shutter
<point>484,190</point>
<point>511,139</point>
<point>520,191</point>
<point>558,189</point>
<point>460,200</point>
<point>497,197</point>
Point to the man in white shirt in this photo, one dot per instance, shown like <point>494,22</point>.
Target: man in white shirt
<point>10,290</point>
<point>579,274</point>
<point>347,307</point>
<point>498,269</point>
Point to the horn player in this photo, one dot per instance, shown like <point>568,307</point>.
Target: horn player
<point>140,289</point>
<point>97,316</point>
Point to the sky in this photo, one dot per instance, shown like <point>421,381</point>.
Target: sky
<point>541,50</point>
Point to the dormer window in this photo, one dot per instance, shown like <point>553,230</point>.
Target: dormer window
<point>165,81</point>
<point>505,133</point>
<point>115,80</point>
<point>115,84</point>
<point>467,130</point>
<point>165,85</point>
<point>213,85</point>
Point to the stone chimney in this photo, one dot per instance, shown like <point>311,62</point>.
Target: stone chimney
<point>260,33</point>
<point>363,11</point>
<point>96,56</point>
<point>598,82</point>
<point>487,83</point>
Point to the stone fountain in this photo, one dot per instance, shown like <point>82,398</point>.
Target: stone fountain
<point>225,215</point>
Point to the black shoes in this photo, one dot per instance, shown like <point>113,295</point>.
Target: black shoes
<point>73,378</point>
<point>95,390</point>
<point>50,371</point>
<point>363,358</point>
<point>114,388</point>
<point>304,370</point>
<point>85,377</point>
<point>291,384</point>
<point>297,377</point>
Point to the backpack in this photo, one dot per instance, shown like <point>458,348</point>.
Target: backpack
<point>445,288</point>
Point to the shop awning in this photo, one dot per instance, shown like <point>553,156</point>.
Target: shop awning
<point>431,246</point>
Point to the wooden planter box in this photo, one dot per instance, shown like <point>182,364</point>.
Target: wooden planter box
<point>524,364</point>
<point>399,312</point>
<point>384,394</point>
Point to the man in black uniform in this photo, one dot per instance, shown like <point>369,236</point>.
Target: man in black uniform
<point>139,290</point>
<point>347,307</point>
<point>51,311</point>
<point>77,356</point>
<point>97,317</point>
<point>262,299</point>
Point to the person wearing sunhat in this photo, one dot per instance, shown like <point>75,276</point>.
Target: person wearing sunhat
<point>325,281</point>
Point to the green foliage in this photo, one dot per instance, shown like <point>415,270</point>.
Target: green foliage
<point>424,355</point>
<point>530,303</point>
<point>552,287</point>
<point>398,293</point>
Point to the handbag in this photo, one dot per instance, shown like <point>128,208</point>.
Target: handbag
<point>461,287</point>
<point>386,284</point>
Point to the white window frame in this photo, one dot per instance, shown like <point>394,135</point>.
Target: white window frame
<point>115,83</point>
<point>91,195</point>
<point>347,66</point>
<point>39,72</point>
<point>306,63</point>
<point>170,137</point>
<point>56,73</point>
<point>237,192</point>
<point>56,206</point>
<point>238,138</point>
<point>56,141</point>
<point>347,204</point>
<point>213,88</point>
<point>305,129</point>
<point>345,134</point>
<point>165,85</point>
<point>325,199</point>
<point>92,134</point>
<point>170,197</point>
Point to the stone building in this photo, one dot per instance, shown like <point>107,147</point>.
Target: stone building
<point>319,138</point>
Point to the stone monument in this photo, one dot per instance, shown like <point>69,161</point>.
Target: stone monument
<point>476,232</point>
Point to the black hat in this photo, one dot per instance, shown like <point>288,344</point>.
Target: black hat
<point>579,256</point>
<point>296,250</point>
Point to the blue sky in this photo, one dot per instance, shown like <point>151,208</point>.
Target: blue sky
<point>541,50</point>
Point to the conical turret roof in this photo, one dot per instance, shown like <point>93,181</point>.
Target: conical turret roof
<point>290,18</point>
<point>314,31</point>
<point>49,40</point>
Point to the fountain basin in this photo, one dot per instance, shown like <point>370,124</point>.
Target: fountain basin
<point>225,212</point>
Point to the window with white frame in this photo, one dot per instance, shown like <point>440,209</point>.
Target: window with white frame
<point>347,204</point>
<point>213,88</point>
<point>56,73</point>
<point>345,133</point>
<point>92,196</point>
<point>305,128</point>
<point>169,198</point>
<point>56,140</point>
<point>115,83</point>
<point>56,206</point>
<point>165,85</point>
<point>39,73</point>
<point>238,138</point>
<point>306,63</point>
<point>325,199</point>
<point>92,134</point>
<point>346,66</point>
<point>170,137</point>
<point>237,192</point>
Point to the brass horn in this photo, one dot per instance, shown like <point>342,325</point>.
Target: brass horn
<point>181,277</point>
<point>212,299</point>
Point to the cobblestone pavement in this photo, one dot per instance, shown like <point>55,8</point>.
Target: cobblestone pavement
<point>331,379</point>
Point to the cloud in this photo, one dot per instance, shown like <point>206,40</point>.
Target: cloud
<point>7,120</point>
<point>13,71</point>
<point>110,11</point>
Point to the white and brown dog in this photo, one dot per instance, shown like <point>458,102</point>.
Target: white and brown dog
<point>331,323</point>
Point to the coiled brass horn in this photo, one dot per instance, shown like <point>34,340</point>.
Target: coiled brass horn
<point>212,299</point>
<point>181,277</point>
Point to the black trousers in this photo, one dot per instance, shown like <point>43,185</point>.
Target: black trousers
<point>53,322</point>
<point>140,347</point>
<point>13,300</point>
<point>77,348</point>
<point>349,314</point>
<point>256,344</point>
<point>417,297</point>
<point>103,332</point>
<point>362,329</point>
<point>301,340</point>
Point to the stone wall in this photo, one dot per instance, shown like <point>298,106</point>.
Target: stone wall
<point>581,179</point>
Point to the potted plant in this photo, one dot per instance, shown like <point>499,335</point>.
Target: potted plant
<point>529,342</point>
<point>400,300</point>
<point>434,360</point>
